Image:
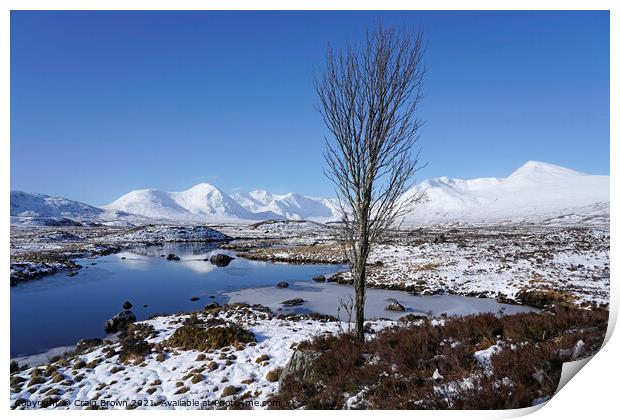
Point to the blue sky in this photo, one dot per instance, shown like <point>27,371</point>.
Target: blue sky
<point>106,102</point>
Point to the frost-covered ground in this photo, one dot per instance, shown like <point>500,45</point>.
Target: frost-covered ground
<point>500,263</point>
<point>503,262</point>
<point>526,264</point>
<point>166,376</point>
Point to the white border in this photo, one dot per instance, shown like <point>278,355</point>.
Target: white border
<point>592,395</point>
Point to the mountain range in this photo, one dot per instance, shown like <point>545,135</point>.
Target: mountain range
<point>536,192</point>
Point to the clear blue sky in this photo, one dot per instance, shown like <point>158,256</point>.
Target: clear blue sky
<point>106,102</point>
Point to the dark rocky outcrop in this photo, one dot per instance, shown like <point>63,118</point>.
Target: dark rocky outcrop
<point>319,278</point>
<point>119,321</point>
<point>213,305</point>
<point>221,260</point>
<point>395,307</point>
<point>293,302</point>
<point>172,257</point>
<point>282,285</point>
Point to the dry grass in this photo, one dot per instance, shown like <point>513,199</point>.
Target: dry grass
<point>395,369</point>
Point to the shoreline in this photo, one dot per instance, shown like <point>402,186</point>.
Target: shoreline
<point>167,361</point>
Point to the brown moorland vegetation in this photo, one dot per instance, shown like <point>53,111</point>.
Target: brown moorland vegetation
<point>394,369</point>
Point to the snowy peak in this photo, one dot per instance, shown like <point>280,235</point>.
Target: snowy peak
<point>202,203</point>
<point>540,170</point>
<point>289,206</point>
<point>535,192</point>
<point>41,209</point>
<point>25,204</point>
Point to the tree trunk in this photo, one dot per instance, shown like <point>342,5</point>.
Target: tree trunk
<point>360,297</point>
<point>360,281</point>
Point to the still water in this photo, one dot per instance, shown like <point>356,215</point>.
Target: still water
<point>58,310</point>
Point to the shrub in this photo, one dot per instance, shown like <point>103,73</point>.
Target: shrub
<point>182,390</point>
<point>133,343</point>
<point>197,338</point>
<point>36,381</point>
<point>17,380</point>
<point>395,368</point>
<point>230,390</point>
<point>273,375</point>
<point>16,367</point>
<point>262,358</point>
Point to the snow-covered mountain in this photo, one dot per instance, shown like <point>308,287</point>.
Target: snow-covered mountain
<point>536,192</point>
<point>202,203</point>
<point>32,208</point>
<point>289,206</point>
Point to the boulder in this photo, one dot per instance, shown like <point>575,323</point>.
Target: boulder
<point>282,285</point>
<point>172,257</point>
<point>319,278</point>
<point>293,302</point>
<point>395,307</point>
<point>119,321</point>
<point>221,260</point>
<point>213,305</point>
<point>300,367</point>
<point>127,305</point>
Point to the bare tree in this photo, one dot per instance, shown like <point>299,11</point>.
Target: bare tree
<point>369,95</point>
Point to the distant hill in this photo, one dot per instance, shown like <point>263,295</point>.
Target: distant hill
<point>201,203</point>
<point>537,192</point>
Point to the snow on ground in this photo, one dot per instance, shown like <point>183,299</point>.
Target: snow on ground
<point>303,231</point>
<point>495,262</point>
<point>182,375</point>
<point>500,264</point>
<point>166,233</point>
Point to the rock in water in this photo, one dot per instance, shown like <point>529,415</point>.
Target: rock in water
<point>319,278</point>
<point>172,257</point>
<point>293,302</point>
<point>127,305</point>
<point>395,307</point>
<point>282,285</point>
<point>221,260</point>
<point>119,321</point>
